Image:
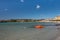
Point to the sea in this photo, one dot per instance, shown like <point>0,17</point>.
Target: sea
<point>26,31</point>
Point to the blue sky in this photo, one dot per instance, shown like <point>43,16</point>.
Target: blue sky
<point>29,9</point>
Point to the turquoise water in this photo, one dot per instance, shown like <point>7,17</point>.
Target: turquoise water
<point>26,31</point>
<point>21,25</point>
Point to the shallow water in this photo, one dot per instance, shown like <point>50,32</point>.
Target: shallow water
<point>25,31</point>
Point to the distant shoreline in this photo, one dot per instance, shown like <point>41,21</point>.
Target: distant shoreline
<point>29,20</point>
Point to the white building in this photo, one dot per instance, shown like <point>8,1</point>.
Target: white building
<point>57,18</point>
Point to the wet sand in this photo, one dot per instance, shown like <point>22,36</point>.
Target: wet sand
<point>58,34</point>
<point>48,33</point>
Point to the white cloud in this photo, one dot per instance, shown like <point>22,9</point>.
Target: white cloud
<point>22,0</point>
<point>5,9</point>
<point>37,6</point>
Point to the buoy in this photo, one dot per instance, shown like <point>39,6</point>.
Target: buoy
<point>39,26</point>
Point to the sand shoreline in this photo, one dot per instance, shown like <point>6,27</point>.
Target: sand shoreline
<point>48,33</point>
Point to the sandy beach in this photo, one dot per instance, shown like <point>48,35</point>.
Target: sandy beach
<point>48,33</point>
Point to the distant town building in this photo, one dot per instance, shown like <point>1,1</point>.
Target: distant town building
<point>57,18</point>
